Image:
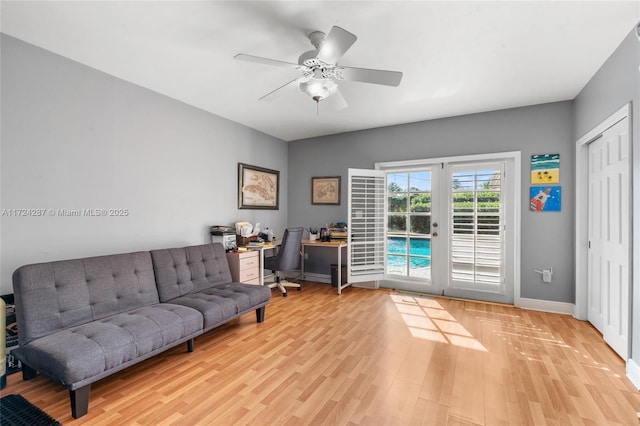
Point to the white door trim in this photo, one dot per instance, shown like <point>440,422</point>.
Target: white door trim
<point>582,206</point>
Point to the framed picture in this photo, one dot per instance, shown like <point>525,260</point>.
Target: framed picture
<point>545,198</point>
<point>325,190</point>
<point>545,169</point>
<point>258,188</point>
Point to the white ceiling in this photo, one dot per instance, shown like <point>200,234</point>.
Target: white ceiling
<point>457,57</point>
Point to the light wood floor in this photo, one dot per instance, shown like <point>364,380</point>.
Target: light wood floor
<point>368,357</point>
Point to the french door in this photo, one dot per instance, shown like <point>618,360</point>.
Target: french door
<point>449,228</point>
<point>476,230</point>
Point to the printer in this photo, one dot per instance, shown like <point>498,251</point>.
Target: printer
<point>225,235</point>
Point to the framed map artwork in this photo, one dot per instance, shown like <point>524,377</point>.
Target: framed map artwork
<point>258,188</point>
<point>325,190</point>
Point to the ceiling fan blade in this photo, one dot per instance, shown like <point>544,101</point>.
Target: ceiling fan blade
<point>338,41</point>
<point>265,61</point>
<point>277,92</point>
<point>366,75</point>
<point>335,102</point>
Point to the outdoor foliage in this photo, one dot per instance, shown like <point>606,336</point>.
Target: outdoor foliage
<point>463,204</point>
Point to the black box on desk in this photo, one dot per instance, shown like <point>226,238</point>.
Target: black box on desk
<point>334,274</point>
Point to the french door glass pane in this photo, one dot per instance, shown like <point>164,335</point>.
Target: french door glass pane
<point>396,265</point>
<point>420,181</point>
<point>397,245</point>
<point>397,257</point>
<point>409,224</point>
<point>420,202</point>
<point>397,203</point>
<point>397,182</point>
<point>420,225</point>
<point>420,258</point>
<point>396,224</point>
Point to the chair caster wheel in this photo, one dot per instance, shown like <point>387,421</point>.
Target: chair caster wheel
<point>299,288</point>
<point>284,294</point>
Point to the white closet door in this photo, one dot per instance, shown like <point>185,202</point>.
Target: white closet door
<point>366,249</point>
<point>609,233</point>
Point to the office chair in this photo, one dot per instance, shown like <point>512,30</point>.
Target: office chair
<point>287,259</point>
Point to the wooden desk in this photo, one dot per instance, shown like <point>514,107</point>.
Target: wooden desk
<point>337,245</point>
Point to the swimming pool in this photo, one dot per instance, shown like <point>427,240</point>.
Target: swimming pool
<point>397,251</point>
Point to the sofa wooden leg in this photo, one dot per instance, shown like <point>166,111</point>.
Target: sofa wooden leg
<point>79,401</point>
<point>28,373</point>
<point>190,345</point>
<point>260,314</point>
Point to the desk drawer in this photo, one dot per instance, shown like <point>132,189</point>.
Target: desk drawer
<point>248,274</point>
<point>252,262</point>
<point>245,267</point>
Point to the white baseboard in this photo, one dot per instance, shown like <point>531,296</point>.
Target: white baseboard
<point>367,284</point>
<point>633,373</point>
<point>545,306</point>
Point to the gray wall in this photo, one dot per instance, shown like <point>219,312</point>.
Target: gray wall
<point>547,238</point>
<point>76,138</point>
<point>615,84</point>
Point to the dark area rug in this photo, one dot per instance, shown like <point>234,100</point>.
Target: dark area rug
<point>17,411</point>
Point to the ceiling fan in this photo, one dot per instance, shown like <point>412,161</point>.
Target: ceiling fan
<point>320,69</point>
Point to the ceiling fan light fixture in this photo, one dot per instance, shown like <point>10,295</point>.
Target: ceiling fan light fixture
<point>318,89</point>
<point>319,68</point>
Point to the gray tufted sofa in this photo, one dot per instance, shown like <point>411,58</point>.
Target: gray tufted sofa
<point>84,319</point>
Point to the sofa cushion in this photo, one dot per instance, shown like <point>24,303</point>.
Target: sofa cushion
<point>181,271</point>
<point>68,293</point>
<point>223,302</point>
<point>247,296</point>
<point>78,353</point>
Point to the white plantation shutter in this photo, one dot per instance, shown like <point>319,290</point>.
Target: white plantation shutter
<point>476,236</point>
<point>366,250</point>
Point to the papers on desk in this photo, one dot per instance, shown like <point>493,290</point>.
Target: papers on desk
<point>255,245</point>
<point>325,243</point>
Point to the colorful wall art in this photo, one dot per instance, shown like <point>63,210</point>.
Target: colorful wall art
<point>545,198</point>
<point>545,169</point>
